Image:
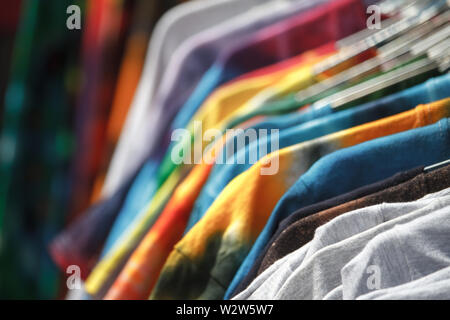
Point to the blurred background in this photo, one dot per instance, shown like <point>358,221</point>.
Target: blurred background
<point>64,95</point>
<point>66,90</point>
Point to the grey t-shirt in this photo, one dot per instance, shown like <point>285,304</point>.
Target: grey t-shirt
<point>406,253</point>
<point>270,281</point>
<point>319,273</point>
<point>267,284</point>
<point>411,261</point>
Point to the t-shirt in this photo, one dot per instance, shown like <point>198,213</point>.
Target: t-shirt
<point>416,249</point>
<point>320,272</point>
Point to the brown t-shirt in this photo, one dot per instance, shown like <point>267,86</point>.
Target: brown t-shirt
<point>302,231</point>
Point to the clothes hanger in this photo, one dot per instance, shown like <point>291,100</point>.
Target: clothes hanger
<point>345,97</point>
<point>416,14</point>
<point>438,49</point>
<point>394,9</point>
<point>444,63</point>
<point>415,34</point>
<point>394,14</point>
<point>433,59</point>
<point>390,55</point>
<point>437,166</point>
<point>394,49</point>
<point>360,35</point>
<point>390,7</point>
